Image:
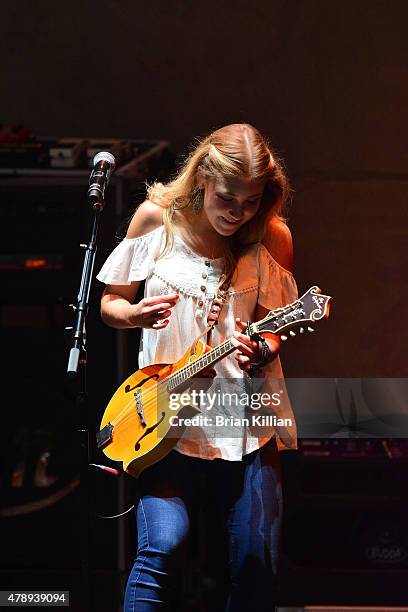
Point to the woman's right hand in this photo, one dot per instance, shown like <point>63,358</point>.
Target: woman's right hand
<point>153,312</point>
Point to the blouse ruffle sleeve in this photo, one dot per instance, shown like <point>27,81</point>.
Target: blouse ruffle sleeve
<point>132,260</point>
<point>277,287</point>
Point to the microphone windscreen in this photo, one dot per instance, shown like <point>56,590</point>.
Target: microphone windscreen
<point>104,156</point>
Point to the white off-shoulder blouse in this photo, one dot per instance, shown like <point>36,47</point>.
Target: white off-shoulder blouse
<point>259,279</point>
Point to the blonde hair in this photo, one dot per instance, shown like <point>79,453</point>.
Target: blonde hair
<point>236,150</point>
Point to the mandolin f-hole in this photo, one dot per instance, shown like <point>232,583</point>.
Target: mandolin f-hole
<point>128,388</point>
<point>149,430</point>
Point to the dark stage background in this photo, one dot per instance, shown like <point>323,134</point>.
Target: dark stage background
<point>324,80</point>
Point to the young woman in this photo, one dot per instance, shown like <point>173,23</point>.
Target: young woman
<point>211,246</point>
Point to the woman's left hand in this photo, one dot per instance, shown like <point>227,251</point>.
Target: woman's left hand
<point>249,350</point>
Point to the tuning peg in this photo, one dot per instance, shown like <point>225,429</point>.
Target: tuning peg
<point>310,329</point>
<point>284,338</point>
<point>301,330</point>
<point>292,333</point>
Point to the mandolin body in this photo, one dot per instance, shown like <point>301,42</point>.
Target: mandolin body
<point>139,414</point>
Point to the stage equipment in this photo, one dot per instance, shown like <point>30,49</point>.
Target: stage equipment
<point>104,163</point>
<point>44,219</point>
<point>345,533</point>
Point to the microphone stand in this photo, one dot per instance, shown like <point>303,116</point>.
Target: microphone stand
<point>77,369</point>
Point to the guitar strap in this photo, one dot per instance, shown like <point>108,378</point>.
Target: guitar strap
<point>214,314</point>
<point>215,310</point>
<point>212,319</point>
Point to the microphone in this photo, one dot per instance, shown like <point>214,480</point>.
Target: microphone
<point>103,164</point>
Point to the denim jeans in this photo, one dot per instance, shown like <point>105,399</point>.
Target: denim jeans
<point>241,502</point>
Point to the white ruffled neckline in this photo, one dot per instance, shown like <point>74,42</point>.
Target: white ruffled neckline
<point>160,229</point>
<point>213,261</point>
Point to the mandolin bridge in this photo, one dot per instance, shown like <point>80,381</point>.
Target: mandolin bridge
<point>139,406</point>
<point>104,436</point>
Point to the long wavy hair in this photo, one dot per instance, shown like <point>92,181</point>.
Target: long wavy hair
<point>236,150</point>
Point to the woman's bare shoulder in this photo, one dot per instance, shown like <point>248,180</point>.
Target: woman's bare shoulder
<point>278,241</point>
<point>148,216</point>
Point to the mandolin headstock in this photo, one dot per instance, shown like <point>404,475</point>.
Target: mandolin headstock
<point>311,307</point>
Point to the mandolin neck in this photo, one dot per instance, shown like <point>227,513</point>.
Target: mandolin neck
<point>199,365</point>
<point>312,306</point>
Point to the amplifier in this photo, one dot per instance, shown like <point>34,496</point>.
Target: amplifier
<point>345,531</point>
<point>45,217</point>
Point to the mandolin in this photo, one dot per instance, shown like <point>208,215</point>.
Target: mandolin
<point>138,419</point>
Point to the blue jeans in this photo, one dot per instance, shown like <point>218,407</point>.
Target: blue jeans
<point>241,502</point>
